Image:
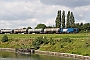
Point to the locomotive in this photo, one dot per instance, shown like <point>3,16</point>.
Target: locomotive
<point>39,31</point>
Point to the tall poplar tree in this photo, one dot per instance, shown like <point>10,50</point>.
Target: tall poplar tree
<point>68,20</point>
<point>58,20</point>
<point>72,20</point>
<point>63,19</point>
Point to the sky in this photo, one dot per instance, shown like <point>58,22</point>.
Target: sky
<point>24,13</point>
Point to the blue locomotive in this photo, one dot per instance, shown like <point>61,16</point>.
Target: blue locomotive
<point>69,30</point>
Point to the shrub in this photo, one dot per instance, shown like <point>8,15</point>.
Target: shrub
<point>5,38</point>
<point>52,42</point>
<point>45,40</point>
<point>37,42</point>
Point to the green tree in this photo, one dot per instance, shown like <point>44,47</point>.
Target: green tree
<point>5,38</point>
<point>58,20</point>
<point>29,28</point>
<point>63,19</point>
<point>81,26</point>
<point>40,26</point>
<point>77,25</point>
<point>72,20</point>
<point>68,20</point>
<point>86,26</point>
<point>24,28</point>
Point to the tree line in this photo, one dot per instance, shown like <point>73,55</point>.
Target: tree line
<point>83,27</point>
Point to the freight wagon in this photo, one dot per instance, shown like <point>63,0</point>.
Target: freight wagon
<point>38,31</point>
<point>20,31</point>
<point>6,31</point>
<point>51,30</point>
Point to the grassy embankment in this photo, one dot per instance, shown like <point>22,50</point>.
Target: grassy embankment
<point>80,43</point>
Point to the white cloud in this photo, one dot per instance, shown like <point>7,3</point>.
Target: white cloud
<point>24,13</point>
<point>68,3</point>
<point>81,12</point>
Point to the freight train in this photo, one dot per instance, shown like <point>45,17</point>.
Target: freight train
<point>39,31</point>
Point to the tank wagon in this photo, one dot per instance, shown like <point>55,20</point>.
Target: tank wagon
<point>51,30</point>
<point>30,31</point>
<point>6,31</point>
<point>69,30</point>
<point>20,31</point>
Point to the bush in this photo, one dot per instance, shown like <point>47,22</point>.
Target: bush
<point>51,41</point>
<point>5,38</point>
<point>37,42</point>
<point>45,40</point>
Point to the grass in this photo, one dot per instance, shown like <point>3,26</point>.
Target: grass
<point>33,36</point>
<point>77,46</point>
